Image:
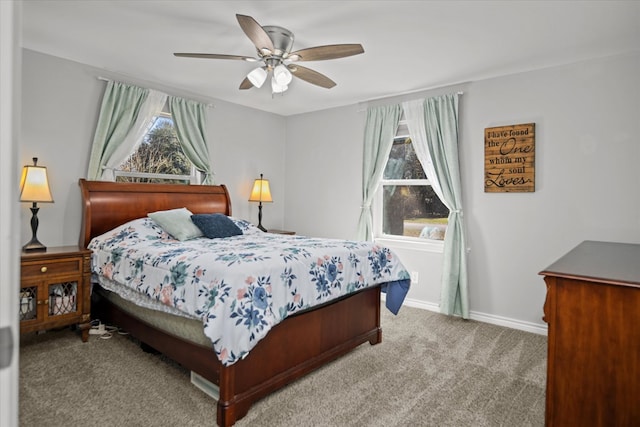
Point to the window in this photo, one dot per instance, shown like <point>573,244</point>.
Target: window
<point>407,205</point>
<point>159,157</point>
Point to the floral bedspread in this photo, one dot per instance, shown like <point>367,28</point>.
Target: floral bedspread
<point>239,286</point>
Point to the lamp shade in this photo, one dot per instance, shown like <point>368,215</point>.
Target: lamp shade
<point>34,184</point>
<point>261,191</point>
<point>276,88</point>
<point>257,77</point>
<point>282,75</point>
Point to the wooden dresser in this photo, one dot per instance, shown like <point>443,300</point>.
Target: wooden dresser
<point>593,311</point>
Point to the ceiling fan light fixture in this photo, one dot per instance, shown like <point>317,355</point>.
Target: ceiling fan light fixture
<point>282,75</point>
<point>277,88</point>
<point>274,46</point>
<point>257,76</point>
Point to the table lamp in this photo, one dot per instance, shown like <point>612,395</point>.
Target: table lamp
<point>34,187</point>
<point>260,193</point>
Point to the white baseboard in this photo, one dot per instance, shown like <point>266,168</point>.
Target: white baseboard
<point>540,329</point>
<point>536,328</point>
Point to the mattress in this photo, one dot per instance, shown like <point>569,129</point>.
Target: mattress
<point>180,326</point>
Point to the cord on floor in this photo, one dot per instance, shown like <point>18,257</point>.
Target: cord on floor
<point>103,331</point>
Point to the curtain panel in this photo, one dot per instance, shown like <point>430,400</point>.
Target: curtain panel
<point>126,115</point>
<point>189,118</point>
<point>148,111</point>
<point>121,105</point>
<point>433,127</point>
<point>380,129</point>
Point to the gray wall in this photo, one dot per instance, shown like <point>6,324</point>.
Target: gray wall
<point>61,102</point>
<point>587,185</point>
<point>587,152</point>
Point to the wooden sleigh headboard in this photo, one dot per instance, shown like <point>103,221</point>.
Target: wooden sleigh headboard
<point>106,205</point>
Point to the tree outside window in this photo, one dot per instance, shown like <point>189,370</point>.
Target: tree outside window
<point>159,157</point>
<point>410,207</point>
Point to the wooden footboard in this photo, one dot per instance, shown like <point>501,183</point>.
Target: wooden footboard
<point>292,349</point>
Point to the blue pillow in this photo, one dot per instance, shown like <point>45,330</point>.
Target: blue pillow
<point>216,225</point>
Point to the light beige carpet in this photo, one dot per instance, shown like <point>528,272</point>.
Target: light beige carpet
<point>430,370</point>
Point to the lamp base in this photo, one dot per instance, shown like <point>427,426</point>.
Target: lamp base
<point>260,218</point>
<point>34,246</point>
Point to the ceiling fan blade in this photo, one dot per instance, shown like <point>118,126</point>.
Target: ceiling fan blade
<point>256,33</point>
<point>332,51</point>
<point>246,84</point>
<point>311,76</point>
<point>215,56</point>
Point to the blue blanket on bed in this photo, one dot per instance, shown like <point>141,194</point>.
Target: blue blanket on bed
<point>396,292</point>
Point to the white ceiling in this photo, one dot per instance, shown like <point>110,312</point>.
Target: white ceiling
<point>409,45</point>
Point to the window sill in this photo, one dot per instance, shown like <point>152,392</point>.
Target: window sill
<point>435,246</point>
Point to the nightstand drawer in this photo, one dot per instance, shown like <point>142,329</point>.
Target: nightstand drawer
<point>50,268</point>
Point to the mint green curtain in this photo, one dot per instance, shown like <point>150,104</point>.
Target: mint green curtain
<point>380,129</point>
<point>121,106</point>
<point>189,118</point>
<point>433,126</point>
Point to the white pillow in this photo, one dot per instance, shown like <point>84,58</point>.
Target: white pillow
<point>177,222</point>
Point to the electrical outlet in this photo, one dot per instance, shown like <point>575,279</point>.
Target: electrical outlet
<point>414,277</point>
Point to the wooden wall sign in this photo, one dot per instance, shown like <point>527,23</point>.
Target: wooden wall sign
<point>509,158</point>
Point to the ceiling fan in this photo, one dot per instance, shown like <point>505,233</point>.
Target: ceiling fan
<point>274,46</point>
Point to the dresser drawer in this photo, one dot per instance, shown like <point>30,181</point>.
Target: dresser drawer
<point>51,268</point>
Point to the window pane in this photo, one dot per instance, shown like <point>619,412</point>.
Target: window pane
<point>159,153</point>
<point>151,180</point>
<point>403,162</point>
<point>413,211</point>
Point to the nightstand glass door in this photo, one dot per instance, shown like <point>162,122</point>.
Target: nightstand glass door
<point>28,303</point>
<point>62,298</point>
<point>54,299</point>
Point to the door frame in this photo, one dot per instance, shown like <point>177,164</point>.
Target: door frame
<point>10,105</point>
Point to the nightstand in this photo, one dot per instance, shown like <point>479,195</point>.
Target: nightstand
<point>274,231</point>
<point>55,289</point>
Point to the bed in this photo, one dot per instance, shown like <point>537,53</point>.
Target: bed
<point>295,346</point>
